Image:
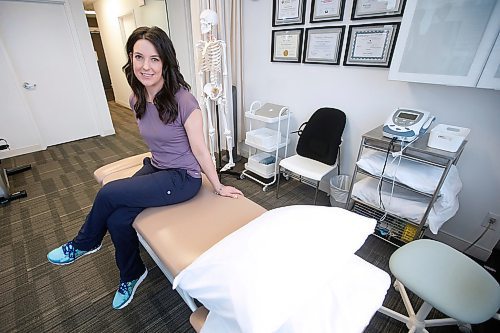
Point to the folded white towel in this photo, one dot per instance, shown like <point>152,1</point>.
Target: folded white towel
<point>405,203</point>
<point>419,176</point>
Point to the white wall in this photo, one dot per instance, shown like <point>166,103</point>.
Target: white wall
<point>153,13</point>
<point>101,110</point>
<point>179,21</point>
<point>108,13</point>
<point>367,97</point>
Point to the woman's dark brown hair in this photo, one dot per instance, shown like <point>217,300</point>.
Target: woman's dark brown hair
<point>173,79</point>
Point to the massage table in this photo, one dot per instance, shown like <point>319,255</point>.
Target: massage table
<point>175,236</point>
<point>165,231</point>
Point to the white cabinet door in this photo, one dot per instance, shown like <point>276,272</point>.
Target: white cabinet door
<point>40,40</point>
<point>445,42</point>
<point>490,78</point>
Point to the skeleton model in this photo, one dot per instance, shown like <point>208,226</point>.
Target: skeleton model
<point>213,77</point>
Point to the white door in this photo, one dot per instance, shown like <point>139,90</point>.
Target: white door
<point>17,126</point>
<point>39,39</point>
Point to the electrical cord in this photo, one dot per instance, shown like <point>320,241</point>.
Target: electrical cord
<point>394,176</point>
<point>379,186</point>
<point>477,239</point>
<point>395,156</point>
<point>403,147</point>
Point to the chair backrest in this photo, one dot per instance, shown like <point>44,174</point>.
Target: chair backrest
<point>322,135</point>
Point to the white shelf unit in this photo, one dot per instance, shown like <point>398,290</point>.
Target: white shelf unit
<point>266,142</point>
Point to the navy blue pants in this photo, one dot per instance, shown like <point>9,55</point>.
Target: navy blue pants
<point>119,202</point>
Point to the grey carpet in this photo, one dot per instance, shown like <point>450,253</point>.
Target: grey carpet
<point>39,297</point>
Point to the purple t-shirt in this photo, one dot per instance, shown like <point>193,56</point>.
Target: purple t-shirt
<point>168,143</point>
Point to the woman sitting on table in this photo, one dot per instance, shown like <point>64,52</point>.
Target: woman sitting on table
<point>170,122</point>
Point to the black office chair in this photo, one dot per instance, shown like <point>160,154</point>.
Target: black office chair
<point>318,148</point>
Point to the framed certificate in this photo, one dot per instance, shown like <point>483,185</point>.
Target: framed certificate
<point>371,44</point>
<point>286,45</point>
<point>323,45</point>
<point>288,12</point>
<point>327,10</point>
<point>367,9</point>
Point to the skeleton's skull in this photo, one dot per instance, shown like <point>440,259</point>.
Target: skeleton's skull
<point>208,19</point>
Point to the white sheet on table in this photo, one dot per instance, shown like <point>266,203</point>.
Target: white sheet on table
<point>406,203</point>
<point>256,278</point>
<point>419,176</point>
<point>345,305</point>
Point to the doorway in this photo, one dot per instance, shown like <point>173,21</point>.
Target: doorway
<point>100,55</point>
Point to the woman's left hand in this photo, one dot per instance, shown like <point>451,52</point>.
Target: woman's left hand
<point>229,191</point>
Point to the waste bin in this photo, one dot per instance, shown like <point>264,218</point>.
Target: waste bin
<point>339,189</point>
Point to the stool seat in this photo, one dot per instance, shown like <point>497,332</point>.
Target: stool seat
<point>447,279</point>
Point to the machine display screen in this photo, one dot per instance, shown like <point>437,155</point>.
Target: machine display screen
<point>409,116</point>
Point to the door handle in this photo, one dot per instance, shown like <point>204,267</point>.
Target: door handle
<point>29,86</point>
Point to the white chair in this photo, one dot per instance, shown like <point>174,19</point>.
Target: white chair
<point>318,148</point>
<point>445,279</point>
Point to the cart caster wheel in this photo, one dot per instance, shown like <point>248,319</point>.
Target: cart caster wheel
<point>242,176</point>
<point>264,189</point>
<point>287,177</point>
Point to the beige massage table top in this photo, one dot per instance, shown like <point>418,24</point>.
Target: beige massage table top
<point>190,228</point>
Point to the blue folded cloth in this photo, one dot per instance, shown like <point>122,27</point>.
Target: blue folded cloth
<point>268,160</point>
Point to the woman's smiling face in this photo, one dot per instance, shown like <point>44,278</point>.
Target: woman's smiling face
<point>147,66</point>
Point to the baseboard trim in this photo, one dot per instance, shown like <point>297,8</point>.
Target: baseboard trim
<point>107,132</point>
<point>20,151</point>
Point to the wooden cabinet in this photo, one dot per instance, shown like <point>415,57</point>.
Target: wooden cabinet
<point>449,42</point>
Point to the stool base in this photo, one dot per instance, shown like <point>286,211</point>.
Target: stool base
<point>416,322</point>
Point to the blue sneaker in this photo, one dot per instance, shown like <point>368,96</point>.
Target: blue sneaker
<point>66,254</point>
<point>126,290</point>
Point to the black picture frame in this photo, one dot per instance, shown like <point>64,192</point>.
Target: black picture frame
<point>316,50</point>
<point>316,17</point>
<point>283,16</point>
<point>286,45</point>
<point>371,45</point>
<point>374,12</point>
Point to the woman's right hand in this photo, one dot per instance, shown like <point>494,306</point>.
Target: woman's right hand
<point>228,191</point>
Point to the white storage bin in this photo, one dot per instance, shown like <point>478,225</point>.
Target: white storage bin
<point>447,137</point>
<point>263,137</point>
<point>255,164</point>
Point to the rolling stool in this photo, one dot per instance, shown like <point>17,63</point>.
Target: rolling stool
<point>445,279</point>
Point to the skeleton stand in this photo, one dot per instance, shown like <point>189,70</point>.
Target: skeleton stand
<point>219,154</point>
